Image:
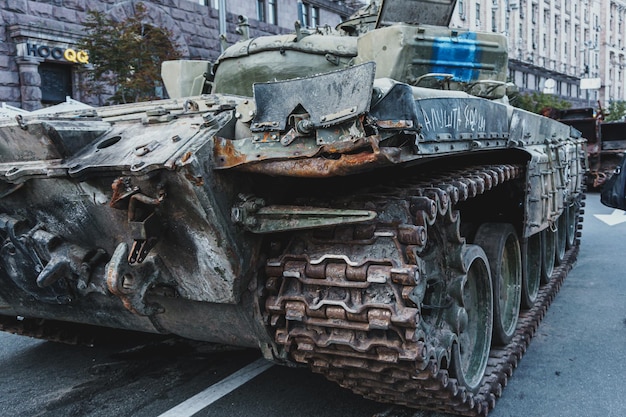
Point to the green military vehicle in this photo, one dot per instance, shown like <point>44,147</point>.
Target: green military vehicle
<point>362,201</point>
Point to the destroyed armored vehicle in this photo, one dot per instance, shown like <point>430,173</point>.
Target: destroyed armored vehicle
<point>362,202</point>
<point>606,142</point>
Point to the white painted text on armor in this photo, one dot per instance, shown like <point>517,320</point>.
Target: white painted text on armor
<point>467,118</point>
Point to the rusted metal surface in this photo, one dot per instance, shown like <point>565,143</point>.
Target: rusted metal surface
<point>341,139</point>
<point>321,167</point>
<point>122,191</point>
<point>232,153</point>
<point>144,225</point>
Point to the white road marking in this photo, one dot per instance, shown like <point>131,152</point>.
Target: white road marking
<point>612,219</point>
<point>213,393</point>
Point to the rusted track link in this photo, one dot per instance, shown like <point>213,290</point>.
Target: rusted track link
<point>348,305</point>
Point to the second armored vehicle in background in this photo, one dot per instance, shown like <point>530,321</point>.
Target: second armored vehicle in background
<point>606,141</point>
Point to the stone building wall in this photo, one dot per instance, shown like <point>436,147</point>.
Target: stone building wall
<point>36,34</point>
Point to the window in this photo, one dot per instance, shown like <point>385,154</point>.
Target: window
<point>272,12</point>
<point>309,15</point>
<point>494,22</point>
<point>557,24</point>
<point>461,8</point>
<point>477,14</point>
<point>304,14</point>
<point>260,11</point>
<point>267,11</point>
<point>315,17</point>
<point>507,26</point>
<point>56,82</point>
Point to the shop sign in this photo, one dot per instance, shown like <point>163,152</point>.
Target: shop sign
<point>58,53</point>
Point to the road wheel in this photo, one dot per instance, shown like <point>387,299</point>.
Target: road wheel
<point>572,220</point>
<point>470,353</point>
<point>548,254</point>
<point>561,238</point>
<point>531,269</point>
<point>501,245</point>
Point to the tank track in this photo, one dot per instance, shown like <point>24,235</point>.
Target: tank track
<point>354,310</point>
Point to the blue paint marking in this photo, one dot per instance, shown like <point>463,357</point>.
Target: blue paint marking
<point>459,56</point>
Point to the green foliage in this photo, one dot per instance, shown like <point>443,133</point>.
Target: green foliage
<point>616,111</point>
<point>125,56</point>
<point>539,102</point>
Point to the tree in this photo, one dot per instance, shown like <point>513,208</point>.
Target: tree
<point>539,102</point>
<point>616,111</point>
<point>125,57</point>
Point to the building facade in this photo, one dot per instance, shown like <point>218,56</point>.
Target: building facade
<point>39,57</point>
<point>612,51</point>
<point>555,46</point>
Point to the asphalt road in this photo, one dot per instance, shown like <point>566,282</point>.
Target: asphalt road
<point>575,365</point>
